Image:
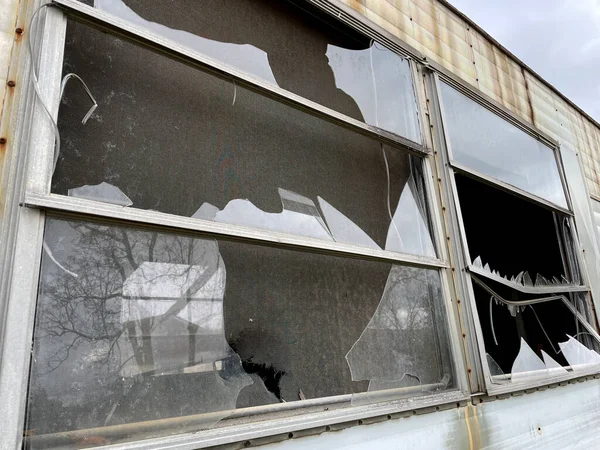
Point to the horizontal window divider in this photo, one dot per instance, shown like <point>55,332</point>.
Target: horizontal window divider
<point>115,26</point>
<point>153,426</point>
<point>551,289</point>
<point>509,188</point>
<point>255,430</point>
<point>218,230</point>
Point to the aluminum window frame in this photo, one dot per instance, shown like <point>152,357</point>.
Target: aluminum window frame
<point>35,199</point>
<point>551,145</point>
<point>471,315</point>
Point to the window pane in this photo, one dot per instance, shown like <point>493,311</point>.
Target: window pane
<point>294,46</point>
<point>135,325</point>
<point>170,138</point>
<point>485,142</point>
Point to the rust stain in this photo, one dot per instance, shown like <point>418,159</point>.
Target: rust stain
<point>358,5</point>
<point>532,112</point>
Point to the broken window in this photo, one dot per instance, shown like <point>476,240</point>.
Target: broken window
<point>172,333</point>
<point>484,142</point>
<point>170,138</point>
<point>290,44</point>
<point>533,306</point>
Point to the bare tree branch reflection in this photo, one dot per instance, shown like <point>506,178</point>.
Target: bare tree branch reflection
<point>144,307</point>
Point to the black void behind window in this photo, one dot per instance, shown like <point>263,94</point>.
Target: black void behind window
<point>509,235</point>
<point>134,326</point>
<point>171,138</point>
<point>291,44</point>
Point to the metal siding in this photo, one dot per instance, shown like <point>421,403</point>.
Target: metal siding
<point>446,38</point>
<point>563,417</point>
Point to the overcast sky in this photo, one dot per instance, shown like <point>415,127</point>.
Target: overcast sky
<point>559,39</point>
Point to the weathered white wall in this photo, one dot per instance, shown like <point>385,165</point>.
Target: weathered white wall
<point>565,417</point>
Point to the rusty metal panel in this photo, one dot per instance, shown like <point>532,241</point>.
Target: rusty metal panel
<point>8,17</point>
<point>447,37</point>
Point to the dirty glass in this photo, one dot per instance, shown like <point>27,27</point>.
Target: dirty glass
<point>292,45</point>
<point>170,333</point>
<point>169,138</point>
<point>484,142</point>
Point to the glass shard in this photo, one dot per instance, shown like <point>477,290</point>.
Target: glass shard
<point>245,57</point>
<point>577,354</point>
<point>103,192</point>
<point>206,212</point>
<point>551,364</point>
<point>408,232</point>
<point>522,281</point>
<point>526,363</point>
<point>299,216</point>
<point>380,83</point>
<point>343,229</point>
<point>399,348</point>
<point>483,141</point>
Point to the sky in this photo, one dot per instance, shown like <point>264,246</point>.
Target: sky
<point>558,39</point>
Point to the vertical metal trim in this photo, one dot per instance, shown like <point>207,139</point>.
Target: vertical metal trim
<point>435,208</point>
<point>23,284</point>
<point>457,245</point>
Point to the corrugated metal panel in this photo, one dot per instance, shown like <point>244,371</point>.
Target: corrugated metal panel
<point>565,417</point>
<point>449,39</point>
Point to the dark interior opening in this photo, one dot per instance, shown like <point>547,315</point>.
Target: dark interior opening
<point>513,235</point>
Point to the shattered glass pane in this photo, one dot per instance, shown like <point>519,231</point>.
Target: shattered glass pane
<point>551,364</point>
<point>530,336</point>
<point>483,141</point>
<point>267,40</point>
<point>523,254</point>
<point>526,362</point>
<point>408,231</point>
<point>493,366</point>
<point>103,192</point>
<point>175,141</point>
<point>170,333</point>
<point>577,354</point>
<point>402,346</point>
